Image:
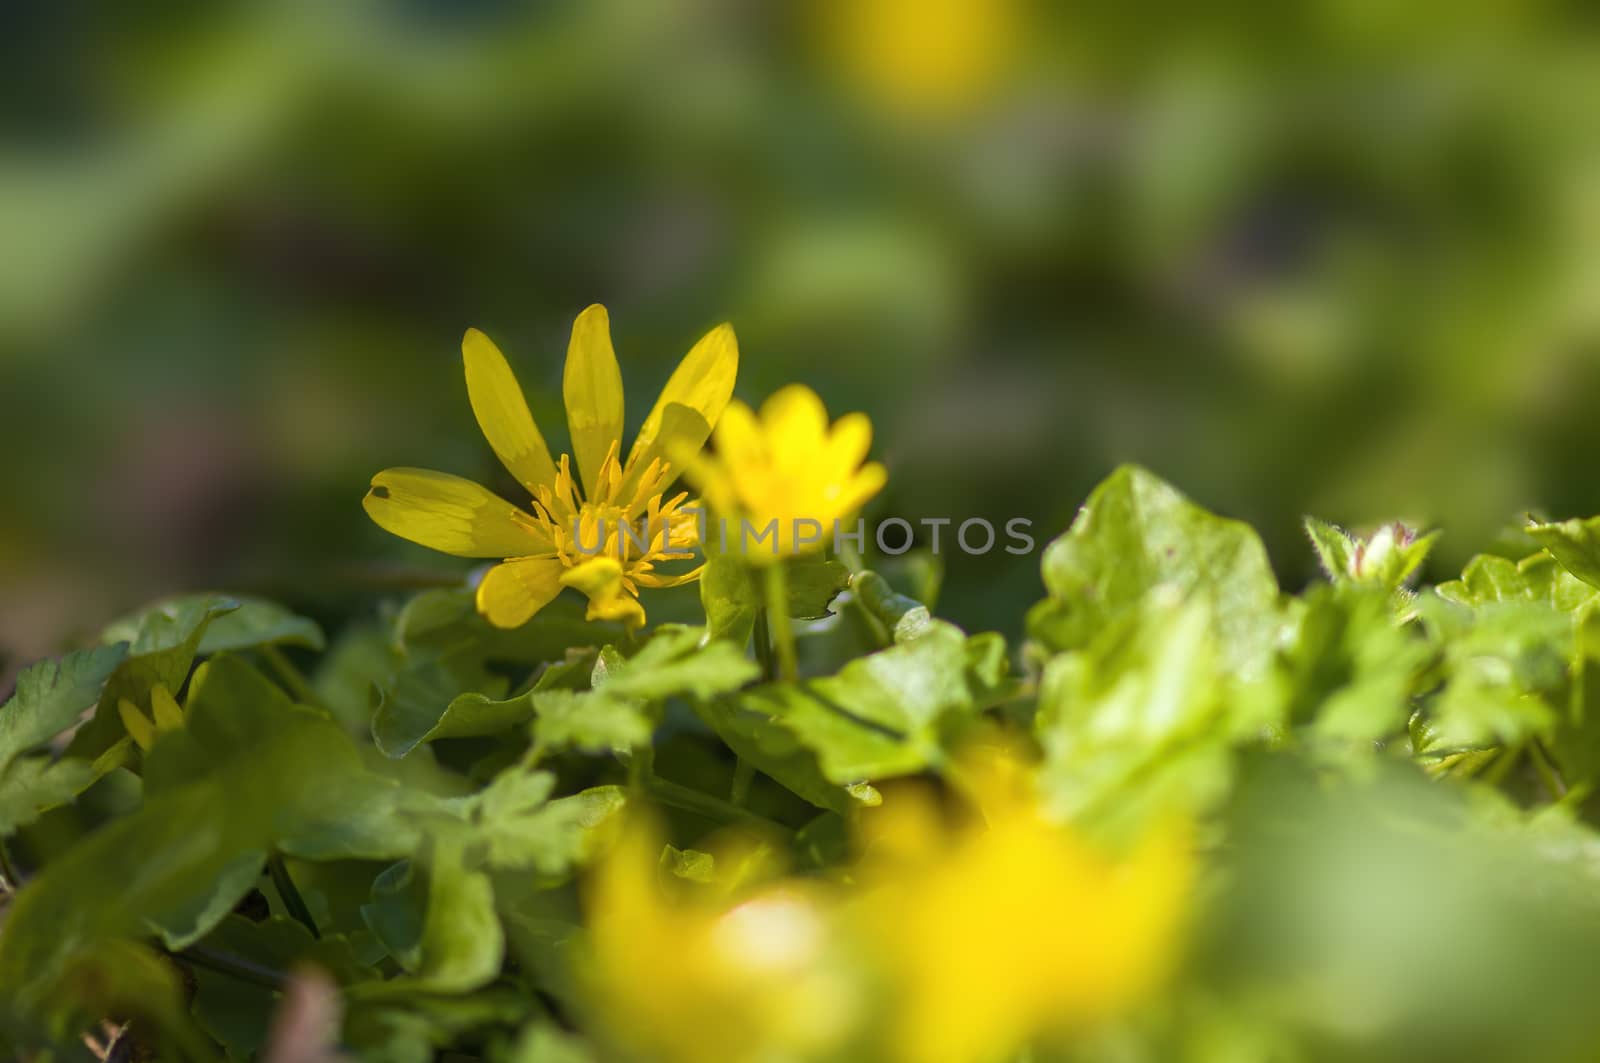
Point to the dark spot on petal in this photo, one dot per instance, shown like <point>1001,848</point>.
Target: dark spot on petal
<point>380,492</point>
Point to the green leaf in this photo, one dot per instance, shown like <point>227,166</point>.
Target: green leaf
<point>239,1014</point>
<point>691,865</point>
<point>415,1026</point>
<point>729,597</point>
<point>141,988</point>
<point>164,641</point>
<point>50,697</point>
<point>198,915</point>
<point>249,771</point>
<point>258,622</point>
<point>104,888</point>
<point>517,827</point>
<point>461,943</point>
<point>883,714</point>
<point>430,698</point>
<point>615,714</point>
<point>541,1042</point>
<point>777,752</point>
<point>166,625</point>
<point>395,911</point>
<point>241,726</point>
<point>1488,579</point>
<point>1349,671</point>
<point>31,786</point>
<point>1135,726</point>
<point>1506,666</point>
<point>676,660</point>
<point>1575,544</point>
<point>361,659</point>
<point>731,593</point>
<point>903,618</point>
<point>1137,536</point>
<point>591,722</point>
<point>447,622</point>
<point>813,582</point>
<point>1336,548</point>
<point>472,714</point>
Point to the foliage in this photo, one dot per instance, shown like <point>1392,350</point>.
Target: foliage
<point>1351,822</point>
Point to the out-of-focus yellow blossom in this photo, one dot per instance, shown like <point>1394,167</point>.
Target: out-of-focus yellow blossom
<point>922,57</point>
<point>604,539</point>
<point>788,470</point>
<point>1001,930</point>
<point>163,706</point>
<point>696,975</point>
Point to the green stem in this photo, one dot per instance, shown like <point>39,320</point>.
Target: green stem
<point>712,808</point>
<point>292,679</point>
<point>744,774</point>
<point>778,618</point>
<point>763,641</point>
<point>1549,775</point>
<point>1495,770</point>
<point>534,755</point>
<point>641,767</point>
<point>233,966</point>
<point>292,901</point>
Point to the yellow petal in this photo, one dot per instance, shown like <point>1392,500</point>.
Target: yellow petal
<point>621,608</point>
<point>169,717</point>
<point>502,412</point>
<point>795,419</point>
<point>859,491</point>
<point>848,443</point>
<point>140,729</point>
<point>596,576</point>
<point>702,384</point>
<point>600,578</point>
<point>739,438</point>
<point>592,388</point>
<point>452,515</point>
<point>512,592</point>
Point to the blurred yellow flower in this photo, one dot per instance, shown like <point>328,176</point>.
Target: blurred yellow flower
<point>996,932</point>
<point>163,706</point>
<point>695,975</point>
<point>605,540</point>
<point>788,471</point>
<point>922,57</point>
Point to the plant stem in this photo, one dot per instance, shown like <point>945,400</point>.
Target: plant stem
<point>233,966</point>
<point>1549,775</point>
<point>292,679</point>
<point>763,641</point>
<point>744,774</point>
<point>292,901</point>
<point>712,808</point>
<point>641,767</point>
<point>777,613</point>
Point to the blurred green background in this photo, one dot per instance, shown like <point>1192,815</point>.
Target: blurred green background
<point>1339,257</point>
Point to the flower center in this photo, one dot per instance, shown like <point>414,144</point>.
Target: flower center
<point>627,521</point>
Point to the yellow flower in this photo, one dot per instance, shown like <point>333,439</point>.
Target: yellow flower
<point>923,57</point>
<point>605,539</point>
<point>997,932</point>
<point>168,716</point>
<point>704,974</point>
<point>786,470</point>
